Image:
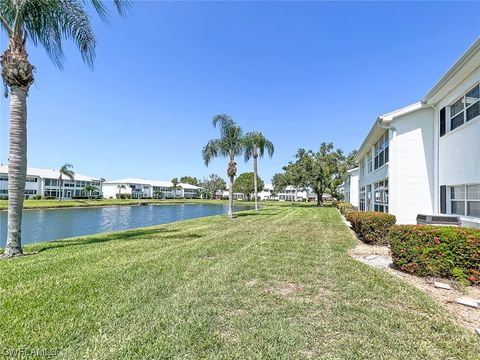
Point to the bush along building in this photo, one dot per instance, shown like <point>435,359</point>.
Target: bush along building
<point>425,157</point>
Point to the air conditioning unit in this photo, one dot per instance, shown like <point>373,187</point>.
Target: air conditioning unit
<point>439,220</point>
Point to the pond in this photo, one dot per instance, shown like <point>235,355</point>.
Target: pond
<point>53,224</point>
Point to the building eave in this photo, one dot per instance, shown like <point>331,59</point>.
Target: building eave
<point>469,61</point>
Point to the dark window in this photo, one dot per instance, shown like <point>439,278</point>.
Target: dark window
<point>456,121</point>
<point>442,122</point>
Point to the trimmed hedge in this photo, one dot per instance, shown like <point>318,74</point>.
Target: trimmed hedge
<point>437,251</point>
<point>344,208</point>
<point>373,227</point>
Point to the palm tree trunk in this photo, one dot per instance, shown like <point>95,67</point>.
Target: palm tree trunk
<point>17,170</point>
<point>230,198</point>
<point>60,190</point>
<point>255,180</point>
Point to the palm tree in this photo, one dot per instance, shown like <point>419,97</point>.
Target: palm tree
<point>89,189</point>
<point>228,145</point>
<point>120,188</point>
<point>44,22</point>
<point>255,145</point>
<point>65,171</point>
<point>174,186</point>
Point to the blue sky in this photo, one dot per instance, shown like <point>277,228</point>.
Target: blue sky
<point>300,72</point>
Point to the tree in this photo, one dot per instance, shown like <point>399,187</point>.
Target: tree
<point>65,170</point>
<point>89,189</point>
<point>255,145</point>
<point>230,144</point>
<point>48,23</point>
<point>318,171</point>
<point>212,184</point>
<point>175,187</point>
<point>189,180</point>
<point>245,184</point>
<point>280,182</point>
<point>350,160</point>
<point>120,188</point>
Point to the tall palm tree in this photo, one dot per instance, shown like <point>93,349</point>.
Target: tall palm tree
<point>44,22</point>
<point>174,186</point>
<point>255,145</point>
<point>66,171</point>
<point>230,144</point>
<point>89,189</point>
<point>120,188</point>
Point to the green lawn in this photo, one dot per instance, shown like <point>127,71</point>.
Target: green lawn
<point>274,285</point>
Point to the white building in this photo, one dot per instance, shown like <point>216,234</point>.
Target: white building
<point>350,187</point>
<point>289,194</point>
<point>144,188</point>
<point>425,158</point>
<point>46,183</point>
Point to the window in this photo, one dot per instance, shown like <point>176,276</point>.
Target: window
<point>380,196</point>
<point>30,192</point>
<point>369,162</point>
<point>3,178</point>
<point>465,109</point>
<point>381,151</point>
<point>361,202</point>
<point>369,198</point>
<point>465,200</point>
<point>51,193</point>
<point>51,182</point>
<point>31,179</point>
<point>362,170</point>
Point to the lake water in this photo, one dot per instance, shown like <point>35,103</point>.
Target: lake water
<point>53,224</point>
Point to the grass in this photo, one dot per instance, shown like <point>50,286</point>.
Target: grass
<point>277,284</point>
<point>38,204</point>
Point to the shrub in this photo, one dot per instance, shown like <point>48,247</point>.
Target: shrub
<point>437,251</point>
<point>353,217</point>
<point>372,227</point>
<point>37,197</point>
<point>344,208</point>
<point>49,198</point>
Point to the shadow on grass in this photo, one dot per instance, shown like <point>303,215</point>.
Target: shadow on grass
<point>257,213</point>
<point>102,238</point>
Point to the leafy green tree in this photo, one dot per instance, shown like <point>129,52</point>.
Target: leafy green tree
<point>189,180</point>
<point>212,184</point>
<point>65,171</point>
<point>46,23</point>
<point>319,171</point>
<point>280,182</point>
<point>350,160</point>
<point>245,184</point>
<point>229,144</point>
<point>174,187</point>
<point>89,189</point>
<point>255,145</point>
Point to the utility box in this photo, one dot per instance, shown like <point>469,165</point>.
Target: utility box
<point>439,220</point>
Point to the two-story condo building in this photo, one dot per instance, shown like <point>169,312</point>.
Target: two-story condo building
<point>349,188</point>
<point>45,182</point>
<point>143,188</point>
<point>425,158</point>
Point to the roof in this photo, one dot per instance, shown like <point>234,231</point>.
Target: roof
<point>351,171</point>
<point>377,129</point>
<point>50,174</point>
<point>467,63</point>
<point>150,182</point>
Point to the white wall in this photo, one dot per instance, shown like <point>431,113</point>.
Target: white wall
<point>353,188</point>
<point>459,150</point>
<point>411,188</point>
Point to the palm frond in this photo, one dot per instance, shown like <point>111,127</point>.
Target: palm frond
<point>211,150</point>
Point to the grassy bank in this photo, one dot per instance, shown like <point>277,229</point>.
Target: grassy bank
<point>39,204</point>
<point>277,284</point>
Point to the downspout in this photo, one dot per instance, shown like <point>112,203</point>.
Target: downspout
<point>392,161</point>
<point>436,160</point>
